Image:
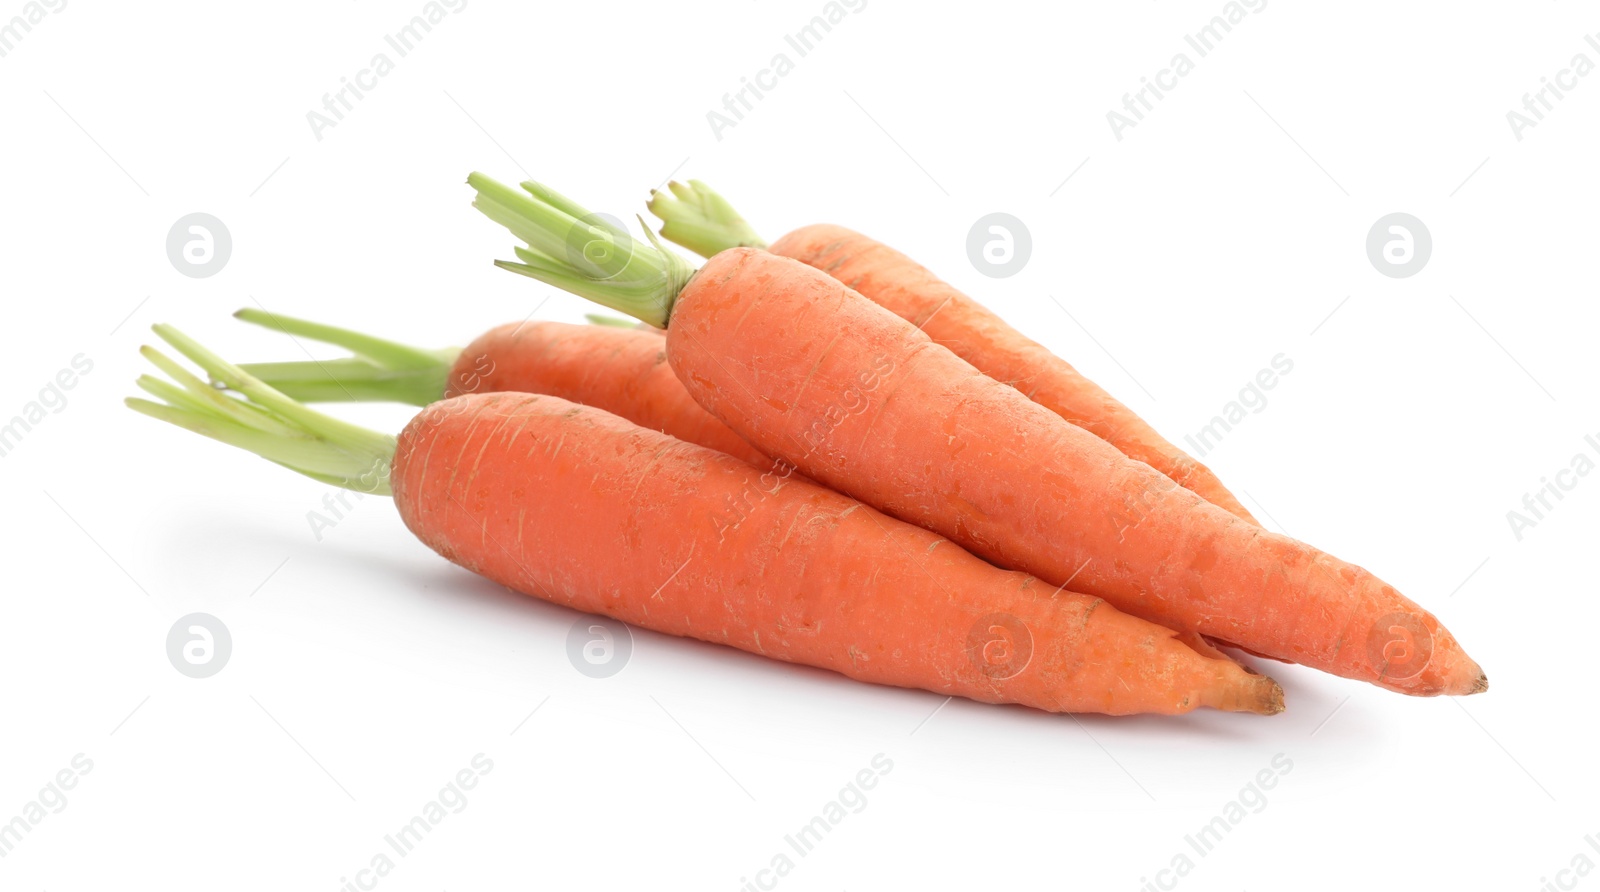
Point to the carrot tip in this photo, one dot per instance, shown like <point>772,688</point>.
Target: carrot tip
<point>1270,697</point>
<point>1242,692</point>
<point>1481,685</point>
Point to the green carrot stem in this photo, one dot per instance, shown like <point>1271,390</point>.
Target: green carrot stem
<point>696,217</point>
<point>605,321</point>
<point>200,395</point>
<point>389,354</point>
<point>381,370</point>
<point>584,253</point>
<point>351,380</point>
<point>262,420</point>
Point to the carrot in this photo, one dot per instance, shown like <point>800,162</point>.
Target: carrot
<point>621,370</point>
<point>699,219</point>
<point>576,506</point>
<point>864,402</point>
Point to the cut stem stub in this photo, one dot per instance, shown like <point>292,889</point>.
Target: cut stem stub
<point>694,216</point>
<point>583,253</point>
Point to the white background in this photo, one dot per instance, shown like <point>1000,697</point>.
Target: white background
<point>1226,228</point>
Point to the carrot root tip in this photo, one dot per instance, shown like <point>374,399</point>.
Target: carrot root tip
<point>1258,694</point>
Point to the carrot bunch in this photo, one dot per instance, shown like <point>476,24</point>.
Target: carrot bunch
<point>852,388</point>
<point>820,453</point>
<point>581,507</point>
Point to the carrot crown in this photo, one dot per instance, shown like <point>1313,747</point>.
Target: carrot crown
<point>584,253</point>
<point>694,216</point>
<point>261,419</point>
<point>380,370</point>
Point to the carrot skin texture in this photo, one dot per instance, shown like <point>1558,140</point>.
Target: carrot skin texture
<point>951,318</point>
<point>579,507</point>
<point>862,401</point>
<point>621,370</point>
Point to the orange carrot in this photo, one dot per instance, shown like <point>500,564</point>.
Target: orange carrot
<point>864,402</point>
<point>698,218</point>
<point>621,370</point>
<point>576,506</point>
